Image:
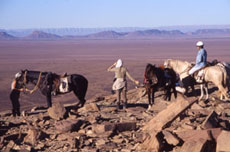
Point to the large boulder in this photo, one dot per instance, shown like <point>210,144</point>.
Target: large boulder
<point>57,111</point>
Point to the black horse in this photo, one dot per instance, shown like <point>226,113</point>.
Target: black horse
<point>48,83</point>
<point>158,78</point>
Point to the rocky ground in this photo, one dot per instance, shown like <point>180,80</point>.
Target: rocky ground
<point>183,124</point>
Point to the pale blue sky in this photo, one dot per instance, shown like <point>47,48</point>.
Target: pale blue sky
<point>112,13</point>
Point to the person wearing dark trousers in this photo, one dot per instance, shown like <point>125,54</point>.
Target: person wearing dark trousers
<point>15,94</point>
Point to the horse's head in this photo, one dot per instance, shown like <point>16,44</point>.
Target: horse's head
<point>150,74</point>
<point>20,77</point>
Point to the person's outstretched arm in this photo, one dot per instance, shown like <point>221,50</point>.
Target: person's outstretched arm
<point>110,69</point>
<point>131,78</point>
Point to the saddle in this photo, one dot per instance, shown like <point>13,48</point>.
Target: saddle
<point>199,75</point>
<point>61,84</point>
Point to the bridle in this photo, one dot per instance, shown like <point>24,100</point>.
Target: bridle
<point>148,81</point>
<point>35,87</point>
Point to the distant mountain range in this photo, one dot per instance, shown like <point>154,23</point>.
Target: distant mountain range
<point>87,31</point>
<point>139,34</point>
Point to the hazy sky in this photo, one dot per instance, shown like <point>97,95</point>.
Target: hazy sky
<point>112,13</point>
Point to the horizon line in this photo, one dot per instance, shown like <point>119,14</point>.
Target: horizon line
<point>166,26</point>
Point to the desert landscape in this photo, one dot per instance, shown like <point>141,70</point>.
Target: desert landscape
<point>91,58</point>
<point>98,126</point>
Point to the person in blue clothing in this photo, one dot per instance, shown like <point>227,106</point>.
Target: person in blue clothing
<point>201,58</point>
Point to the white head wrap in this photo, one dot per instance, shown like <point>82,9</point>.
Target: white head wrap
<point>199,43</point>
<point>17,75</point>
<point>119,63</point>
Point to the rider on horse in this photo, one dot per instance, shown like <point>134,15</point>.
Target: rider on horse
<point>201,58</point>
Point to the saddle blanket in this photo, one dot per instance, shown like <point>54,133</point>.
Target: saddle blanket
<point>64,85</point>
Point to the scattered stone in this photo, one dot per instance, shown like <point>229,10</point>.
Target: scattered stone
<point>125,126</point>
<point>211,121</point>
<point>166,116</point>
<point>68,125</point>
<point>223,142</point>
<point>32,136</point>
<point>11,144</point>
<point>106,129</point>
<point>100,142</point>
<point>196,106</point>
<point>207,134</point>
<point>170,138</point>
<point>89,107</point>
<point>57,111</point>
<point>100,98</point>
<point>200,145</point>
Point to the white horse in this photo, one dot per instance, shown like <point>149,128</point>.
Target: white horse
<point>214,74</point>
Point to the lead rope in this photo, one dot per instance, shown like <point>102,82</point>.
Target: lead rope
<point>36,86</point>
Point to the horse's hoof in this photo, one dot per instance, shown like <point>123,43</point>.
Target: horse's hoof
<point>200,99</point>
<point>149,108</point>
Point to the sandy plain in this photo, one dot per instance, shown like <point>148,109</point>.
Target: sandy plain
<point>91,58</point>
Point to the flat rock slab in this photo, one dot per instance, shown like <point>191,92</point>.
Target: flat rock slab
<point>223,142</point>
<point>170,138</point>
<point>198,134</point>
<point>200,145</point>
<point>89,107</point>
<point>165,117</point>
<point>68,125</point>
<point>125,126</point>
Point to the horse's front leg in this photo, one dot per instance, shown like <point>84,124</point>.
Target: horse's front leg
<point>149,98</point>
<point>206,90</point>
<point>201,92</point>
<point>153,92</point>
<point>174,91</point>
<point>168,89</point>
<point>49,97</point>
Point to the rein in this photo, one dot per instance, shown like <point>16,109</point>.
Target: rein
<point>36,86</point>
<point>186,70</point>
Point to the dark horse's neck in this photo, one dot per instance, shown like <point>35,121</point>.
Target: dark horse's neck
<point>33,76</point>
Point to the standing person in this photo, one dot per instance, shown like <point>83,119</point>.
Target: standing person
<point>15,94</point>
<point>201,58</point>
<point>120,83</point>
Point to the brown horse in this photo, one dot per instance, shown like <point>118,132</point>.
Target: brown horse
<point>157,78</point>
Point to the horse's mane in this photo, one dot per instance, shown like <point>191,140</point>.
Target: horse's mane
<point>180,61</point>
<point>34,74</point>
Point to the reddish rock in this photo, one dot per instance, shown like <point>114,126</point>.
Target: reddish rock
<point>125,126</point>
<point>223,142</point>
<point>57,111</point>
<point>89,107</point>
<point>200,145</point>
<point>170,138</point>
<point>211,121</point>
<point>197,134</point>
<point>68,125</point>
